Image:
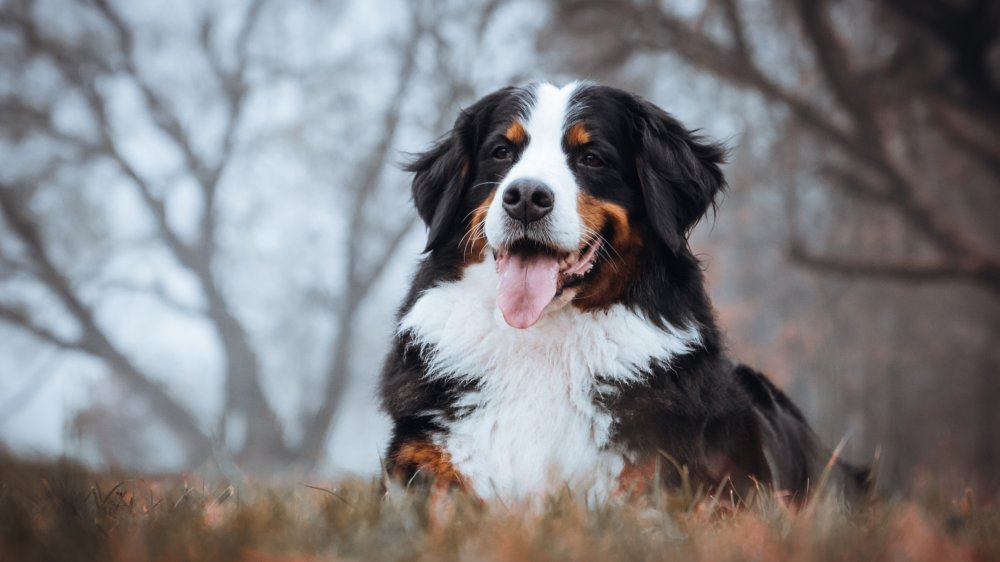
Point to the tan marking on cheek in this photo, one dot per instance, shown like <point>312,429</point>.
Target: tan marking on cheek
<point>515,133</point>
<point>473,244</point>
<point>591,213</point>
<point>577,135</point>
<point>618,263</point>
<point>429,459</point>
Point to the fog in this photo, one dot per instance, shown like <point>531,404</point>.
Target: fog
<point>205,229</point>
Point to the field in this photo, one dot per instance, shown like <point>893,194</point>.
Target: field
<point>60,511</point>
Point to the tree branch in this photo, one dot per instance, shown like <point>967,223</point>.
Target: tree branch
<point>243,388</point>
<point>19,318</point>
<point>967,31</point>
<point>660,30</point>
<point>987,277</point>
<point>159,112</point>
<point>391,246</point>
<point>856,183</point>
<point>244,395</point>
<point>93,340</point>
<point>157,209</point>
<point>375,164</point>
<point>77,60</point>
<point>734,20</point>
<point>983,147</point>
<point>663,31</point>
<point>833,59</point>
<point>235,89</point>
<point>358,285</point>
<point>159,292</point>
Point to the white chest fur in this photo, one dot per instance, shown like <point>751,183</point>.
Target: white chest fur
<point>533,425</point>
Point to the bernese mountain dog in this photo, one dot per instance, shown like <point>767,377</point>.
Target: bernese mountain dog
<point>558,333</point>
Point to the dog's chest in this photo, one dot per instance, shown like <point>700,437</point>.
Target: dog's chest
<point>534,429</point>
<point>534,423</point>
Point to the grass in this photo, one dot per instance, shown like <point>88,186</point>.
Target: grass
<point>60,511</point>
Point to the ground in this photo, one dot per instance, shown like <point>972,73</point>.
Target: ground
<point>60,511</point>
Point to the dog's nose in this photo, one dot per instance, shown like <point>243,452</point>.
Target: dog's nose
<point>528,200</point>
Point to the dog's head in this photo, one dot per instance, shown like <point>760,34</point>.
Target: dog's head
<point>567,188</point>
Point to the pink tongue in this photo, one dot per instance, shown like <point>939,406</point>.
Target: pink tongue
<point>527,284</point>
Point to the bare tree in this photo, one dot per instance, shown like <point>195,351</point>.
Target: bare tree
<point>883,118</point>
<point>83,69</point>
<point>457,87</point>
<point>874,111</point>
<point>92,340</point>
<point>108,49</point>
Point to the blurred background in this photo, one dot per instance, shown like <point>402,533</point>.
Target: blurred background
<point>204,230</point>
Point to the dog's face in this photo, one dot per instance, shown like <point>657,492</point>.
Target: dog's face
<point>568,189</point>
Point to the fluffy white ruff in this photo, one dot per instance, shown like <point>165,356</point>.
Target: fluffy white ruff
<point>533,426</point>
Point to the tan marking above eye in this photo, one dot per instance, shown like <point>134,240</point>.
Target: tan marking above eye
<point>515,133</point>
<point>577,135</point>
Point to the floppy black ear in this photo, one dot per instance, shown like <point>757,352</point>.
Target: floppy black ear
<point>443,171</point>
<point>679,173</point>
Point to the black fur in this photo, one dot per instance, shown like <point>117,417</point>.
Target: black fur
<point>705,412</point>
<point>442,174</point>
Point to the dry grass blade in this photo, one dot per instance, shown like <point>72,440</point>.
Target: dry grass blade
<point>57,511</point>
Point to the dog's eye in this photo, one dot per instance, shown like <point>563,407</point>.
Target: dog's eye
<point>591,160</point>
<point>501,152</point>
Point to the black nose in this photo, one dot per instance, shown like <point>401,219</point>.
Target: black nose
<point>527,200</point>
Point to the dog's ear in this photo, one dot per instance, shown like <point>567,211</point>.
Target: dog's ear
<point>678,171</point>
<point>441,173</point>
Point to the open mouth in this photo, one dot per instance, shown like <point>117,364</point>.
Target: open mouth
<point>531,275</point>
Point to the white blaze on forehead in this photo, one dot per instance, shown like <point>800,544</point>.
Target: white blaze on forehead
<point>543,159</point>
<point>546,121</point>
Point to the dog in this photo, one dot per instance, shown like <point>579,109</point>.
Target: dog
<point>557,331</point>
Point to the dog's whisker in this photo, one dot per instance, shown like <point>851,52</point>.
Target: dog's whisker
<point>605,249</point>
<point>475,234</point>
